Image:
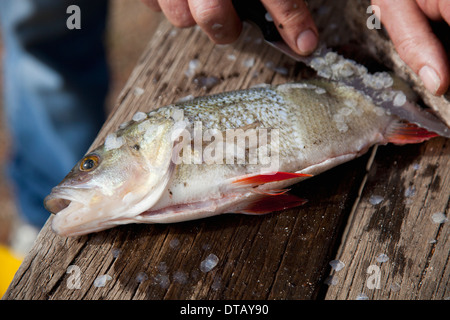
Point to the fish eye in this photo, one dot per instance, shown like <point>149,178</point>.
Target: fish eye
<point>89,163</point>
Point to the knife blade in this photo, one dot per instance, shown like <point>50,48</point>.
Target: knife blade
<point>334,67</point>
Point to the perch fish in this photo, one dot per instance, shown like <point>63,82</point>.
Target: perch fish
<point>234,152</point>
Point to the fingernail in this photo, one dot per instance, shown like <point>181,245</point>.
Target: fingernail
<point>307,41</point>
<point>430,79</point>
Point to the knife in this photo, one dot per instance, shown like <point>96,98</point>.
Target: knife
<point>332,66</point>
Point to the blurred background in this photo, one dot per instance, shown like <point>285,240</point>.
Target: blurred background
<point>130,27</point>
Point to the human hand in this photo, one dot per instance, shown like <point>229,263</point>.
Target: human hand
<point>407,24</point>
<point>219,20</point>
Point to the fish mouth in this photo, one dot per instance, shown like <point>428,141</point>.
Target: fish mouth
<point>55,204</point>
<point>71,214</point>
<point>60,198</point>
<point>75,214</point>
<point>73,218</point>
<point>70,190</point>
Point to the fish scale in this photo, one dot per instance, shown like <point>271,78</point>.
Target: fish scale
<point>237,109</point>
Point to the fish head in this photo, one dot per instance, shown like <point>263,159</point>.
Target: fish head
<point>115,182</point>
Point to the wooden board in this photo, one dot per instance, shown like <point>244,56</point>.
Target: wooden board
<point>283,255</point>
<point>395,239</point>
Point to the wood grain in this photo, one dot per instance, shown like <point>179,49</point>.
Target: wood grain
<point>413,186</point>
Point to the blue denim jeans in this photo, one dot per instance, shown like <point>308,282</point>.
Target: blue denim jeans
<point>55,83</point>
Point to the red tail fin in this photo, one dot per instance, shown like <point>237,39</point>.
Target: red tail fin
<point>405,132</point>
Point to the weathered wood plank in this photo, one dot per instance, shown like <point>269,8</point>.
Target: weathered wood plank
<point>400,226</point>
<point>412,185</point>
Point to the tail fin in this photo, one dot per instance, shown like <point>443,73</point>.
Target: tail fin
<point>405,132</point>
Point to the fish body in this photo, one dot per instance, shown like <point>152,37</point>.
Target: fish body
<point>234,152</point>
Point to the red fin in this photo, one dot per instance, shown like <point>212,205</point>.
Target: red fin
<point>265,178</point>
<point>272,192</point>
<point>405,132</point>
<point>268,204</point>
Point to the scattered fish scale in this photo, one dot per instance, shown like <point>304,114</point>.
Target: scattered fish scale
<point>209,263</point>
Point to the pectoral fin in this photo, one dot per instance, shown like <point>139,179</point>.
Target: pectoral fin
<point>270,203</point>
<point>268,200</point>
<point>266,178</point>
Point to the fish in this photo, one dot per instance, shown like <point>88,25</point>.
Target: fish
<point>234,152</point>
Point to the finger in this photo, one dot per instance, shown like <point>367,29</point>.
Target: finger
<point>444,8</point>
<point>217,18</point>
<point>415,42</point>
<point>436,9</point>
<point>152,4</point>
<point>177,12</point>
<point>430,8</point>
<point>295,24</point>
